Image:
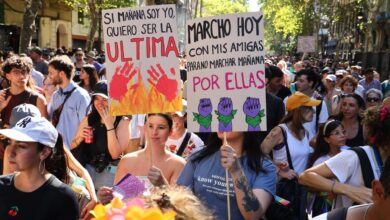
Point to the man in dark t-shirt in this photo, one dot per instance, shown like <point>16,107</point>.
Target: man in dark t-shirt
<point>275,82</point>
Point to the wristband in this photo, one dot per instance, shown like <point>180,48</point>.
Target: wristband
<point>111,129</point>
<point>332,188</point>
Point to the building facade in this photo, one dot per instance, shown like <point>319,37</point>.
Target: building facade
<point>53,24</point>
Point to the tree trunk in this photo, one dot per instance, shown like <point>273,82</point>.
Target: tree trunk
<point>196,9</point>
<point>94,15</point>
<point>28,28</point>
<point>201,8</point>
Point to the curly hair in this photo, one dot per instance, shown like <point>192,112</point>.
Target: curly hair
<point>349,79</point>
<point>181,200</point>
<point>17,62</point>
<point>377,120</point>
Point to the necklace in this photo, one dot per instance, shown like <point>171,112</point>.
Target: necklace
<point>365,212</point>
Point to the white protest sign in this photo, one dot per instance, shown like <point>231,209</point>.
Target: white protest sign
<point>226,78</point>
<point>142,59</point>
<point>306,44</point>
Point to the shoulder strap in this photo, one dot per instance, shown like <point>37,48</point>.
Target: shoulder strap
<point>287,148</point>
<point>365,165</point>
<point>338,214</point>
<point>184,144</point>
<point>57,113</point>
<point>318,111</point>
<point>66,98</point>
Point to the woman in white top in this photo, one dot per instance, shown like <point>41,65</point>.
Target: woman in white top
<point>291,135</point>
<point>330,140</point>
<point>300,111</point>
<point>346,167</point>
<point>379,209</point>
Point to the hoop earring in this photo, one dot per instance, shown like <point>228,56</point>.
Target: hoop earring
<point>41,168</point>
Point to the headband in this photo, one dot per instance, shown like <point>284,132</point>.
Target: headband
<point>326,125</point>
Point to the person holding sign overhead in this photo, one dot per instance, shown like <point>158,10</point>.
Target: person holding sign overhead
<point>252,178</point>
<point>155,162</point>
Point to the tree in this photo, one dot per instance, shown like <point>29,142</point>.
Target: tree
<point>28,28</point>
<point>288,19</point>
<point>93,10</point>
<point>213,8</point>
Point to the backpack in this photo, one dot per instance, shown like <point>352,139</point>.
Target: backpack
<point>290,190</point>
<point>365,165</point>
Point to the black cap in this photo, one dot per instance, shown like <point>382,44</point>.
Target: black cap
<point>100,89</point>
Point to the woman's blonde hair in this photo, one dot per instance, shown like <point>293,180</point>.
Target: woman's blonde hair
<point>181,200</point>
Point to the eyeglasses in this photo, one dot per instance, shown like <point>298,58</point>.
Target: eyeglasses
<point>339,133</point>
<point>19,72</point>
<point>340,76</point>
<point>372,99</point>
<point>79,54</point>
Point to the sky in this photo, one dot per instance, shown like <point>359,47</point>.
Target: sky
<point>253,6</point>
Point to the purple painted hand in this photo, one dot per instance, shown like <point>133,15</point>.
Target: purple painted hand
<point>252,106</point>
<point>225,106</point>
<point>205,107</point>
<point>253,112</point>
<point>225,114</point>
<point>204,116</point>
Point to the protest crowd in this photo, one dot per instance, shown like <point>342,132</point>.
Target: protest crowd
<point>322,156</point>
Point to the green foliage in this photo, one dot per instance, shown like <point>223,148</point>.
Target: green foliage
<point>213,7</point>
<point>103,4</point>
<point>285,20</point>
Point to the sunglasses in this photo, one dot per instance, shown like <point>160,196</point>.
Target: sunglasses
<point>79,54</point>
<point>372,99</point>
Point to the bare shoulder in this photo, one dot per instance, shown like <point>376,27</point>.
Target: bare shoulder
<point>276,132</point>
<point>176,159</point>
<point>133,155</point>
<point>40,97</point>
<point>273,138</point>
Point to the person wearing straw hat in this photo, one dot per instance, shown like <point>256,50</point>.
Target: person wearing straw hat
<point>252,178</point>
<point>34,192</point>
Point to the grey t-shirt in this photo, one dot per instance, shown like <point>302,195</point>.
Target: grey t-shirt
<point>206,178</point>
<point>41,66</point>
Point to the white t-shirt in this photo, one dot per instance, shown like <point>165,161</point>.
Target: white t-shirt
<point>136,124</point>
<point>327,157</point>
<point>325,215</point>
<point>194,144</point>
<point>311,126</point>
<point>346,167</point>
<point>299,151</point>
